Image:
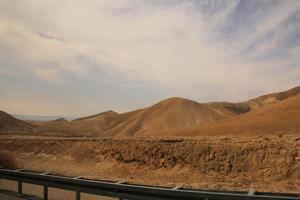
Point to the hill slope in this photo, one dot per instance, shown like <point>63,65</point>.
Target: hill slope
<point>176,115</point>
<point>278,118</point>
<point>11,125</point>
<point>97,117</point>
<point>273,98</point>
<point>170,114</point>
<point>268,114</point>
<point>86,126</point>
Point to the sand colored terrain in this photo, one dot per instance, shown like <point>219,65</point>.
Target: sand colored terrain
<point>266,163</point>
<point>86,126</point>
<point>171,114</point>
<point>11,125</point>
<point>276,113</point>
<point>275,119</point>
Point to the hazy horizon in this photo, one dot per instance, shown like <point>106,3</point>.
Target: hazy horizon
<point>40,117</point>
<point>77,58</point>
<point>45,117</point>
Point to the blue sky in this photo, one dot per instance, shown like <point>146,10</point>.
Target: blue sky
<point>63,57</point>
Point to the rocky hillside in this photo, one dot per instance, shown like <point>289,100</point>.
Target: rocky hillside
<point>265,163</point>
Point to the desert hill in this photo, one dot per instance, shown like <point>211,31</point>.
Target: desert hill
<point>9,124</point>
<point>268,114</point>
<point>176,115</point>
<point>85,126</point>
<point>273,98</point>
<point>170,114</point>
<point>97,117</point>
<point>258,102</point>
<point>60,120</point>
<point>278,118</point>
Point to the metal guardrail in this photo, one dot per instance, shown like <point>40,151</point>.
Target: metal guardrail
<point>122,190</point>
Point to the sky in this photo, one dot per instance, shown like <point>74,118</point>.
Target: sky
<point>76,58</point>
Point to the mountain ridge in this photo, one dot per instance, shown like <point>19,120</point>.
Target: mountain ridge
<point>173,116</point>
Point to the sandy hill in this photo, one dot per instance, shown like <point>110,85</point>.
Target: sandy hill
<point>97,117</point>
<point>60,120</point>
<point>278,118</point>
<point>170,114</point>
<point>85,126</point>
<point>273,98</point>
<point>9,124</point>
<point>258,102</point>
<point>177,116</point>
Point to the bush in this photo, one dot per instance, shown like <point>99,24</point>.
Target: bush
<point>6,161</point>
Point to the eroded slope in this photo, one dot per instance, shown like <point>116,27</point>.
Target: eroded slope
<point>263,163</point>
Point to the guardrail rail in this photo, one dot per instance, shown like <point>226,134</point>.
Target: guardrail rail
<point>122,190</point>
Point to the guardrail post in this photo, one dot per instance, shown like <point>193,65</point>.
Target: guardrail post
<point>251,191</point>
<point>20,187</point>
<point>45,192</point>
<point>77,195</point>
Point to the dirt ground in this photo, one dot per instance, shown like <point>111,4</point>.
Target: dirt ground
<point>265,163</point>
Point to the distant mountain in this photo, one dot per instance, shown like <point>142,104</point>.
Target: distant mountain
<point>97,117</point>
<point>85,126</point>
<point>63,120</point>
<point>258,102</point>
<point>276,113</point>
<point>171,114</point>
<point>174,116</point>
<point>273,98</point>
<point>278,118</point>
<point>11,125</point>
<point>39,117</point>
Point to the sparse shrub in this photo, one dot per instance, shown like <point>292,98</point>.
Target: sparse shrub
<point>6,161</point>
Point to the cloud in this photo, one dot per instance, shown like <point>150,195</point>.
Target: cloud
<point>206,50</point>
<point>47,74</point>
<point>50,37</point>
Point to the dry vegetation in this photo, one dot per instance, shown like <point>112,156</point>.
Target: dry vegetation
<point>265,163</point>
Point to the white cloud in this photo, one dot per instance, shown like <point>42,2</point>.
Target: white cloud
<point>176,47</point>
